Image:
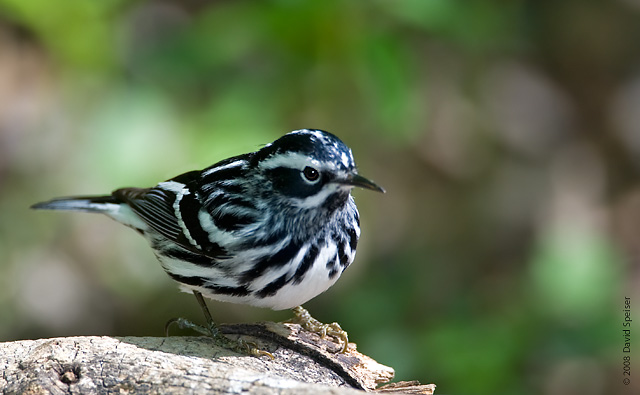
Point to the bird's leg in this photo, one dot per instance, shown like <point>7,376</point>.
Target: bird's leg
<point>212,330</point>
<point>302,317</point>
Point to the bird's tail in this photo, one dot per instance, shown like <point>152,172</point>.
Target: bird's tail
<point>109,205</point>
<point>90,204</point>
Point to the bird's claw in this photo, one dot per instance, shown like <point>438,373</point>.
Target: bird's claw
<point>302,317</point>
<point>240,346</point>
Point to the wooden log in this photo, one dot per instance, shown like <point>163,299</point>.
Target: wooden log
<point>304,363</point>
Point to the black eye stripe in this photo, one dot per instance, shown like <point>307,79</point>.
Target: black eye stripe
<point>310,173</point>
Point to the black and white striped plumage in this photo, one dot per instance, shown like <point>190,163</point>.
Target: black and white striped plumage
<point>272,228</point>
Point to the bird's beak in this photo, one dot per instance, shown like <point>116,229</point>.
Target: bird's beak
<point>357,180</point>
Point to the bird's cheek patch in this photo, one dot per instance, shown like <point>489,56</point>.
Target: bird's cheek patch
<point>288,182</point>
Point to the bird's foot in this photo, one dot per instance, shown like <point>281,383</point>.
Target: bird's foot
<point>302,317</point>
<point>240,346</point>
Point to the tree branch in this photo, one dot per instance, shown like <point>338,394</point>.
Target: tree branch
<point>304,363</point>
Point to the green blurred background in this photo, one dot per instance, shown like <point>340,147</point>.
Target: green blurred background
<point>507,134</point>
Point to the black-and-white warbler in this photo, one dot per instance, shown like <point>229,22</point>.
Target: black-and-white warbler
<point>272,228</point>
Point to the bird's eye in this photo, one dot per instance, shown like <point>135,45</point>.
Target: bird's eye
<point>310,174</point>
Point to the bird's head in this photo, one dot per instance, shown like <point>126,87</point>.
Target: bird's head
<point>311,168</point>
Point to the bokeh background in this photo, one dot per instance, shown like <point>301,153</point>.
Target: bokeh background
<point>507,134</point>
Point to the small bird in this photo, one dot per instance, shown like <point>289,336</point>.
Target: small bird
<point>271,228</point>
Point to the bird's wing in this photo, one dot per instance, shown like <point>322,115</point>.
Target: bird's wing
<point>171,208</point>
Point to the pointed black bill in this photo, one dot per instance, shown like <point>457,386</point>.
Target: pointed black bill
<point>358,181</point>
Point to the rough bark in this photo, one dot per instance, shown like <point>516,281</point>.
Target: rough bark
<point>303,363</point>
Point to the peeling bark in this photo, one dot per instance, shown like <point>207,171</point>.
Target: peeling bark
<point>304,363</point>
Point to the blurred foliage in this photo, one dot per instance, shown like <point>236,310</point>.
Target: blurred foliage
<point>505,132</point>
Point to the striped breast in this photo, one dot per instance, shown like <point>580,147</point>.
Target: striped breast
<point>209,236</point>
